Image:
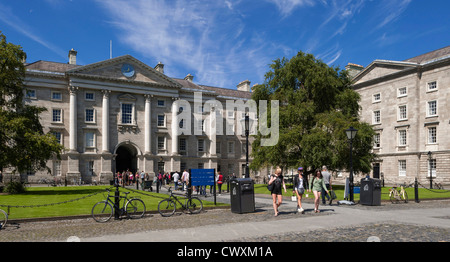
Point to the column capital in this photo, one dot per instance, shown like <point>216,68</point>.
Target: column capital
<point>73,89</point>
<point>106,93</point>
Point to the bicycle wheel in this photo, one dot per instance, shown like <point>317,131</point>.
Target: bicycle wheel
<point>102,211</point>
<point>166,207</point>
<point>135,208</point>
<point>3,218</point>
<point>394,197</point>
<point>404,196</point>
<point>194,205</point>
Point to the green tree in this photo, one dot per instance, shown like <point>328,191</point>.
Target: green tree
<point>317,105</point>
<point>23,144</point>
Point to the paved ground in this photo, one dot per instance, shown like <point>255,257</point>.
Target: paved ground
<point>427,221</point>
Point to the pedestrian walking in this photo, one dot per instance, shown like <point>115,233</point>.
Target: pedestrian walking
<point>327,180</point>
<point>176,176</point>
<point>317,184</point>
<point>300,185</point>
<point>277,195</point>
<point>220,181</point>
<point>185,179</point>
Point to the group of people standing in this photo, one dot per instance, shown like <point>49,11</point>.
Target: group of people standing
<point>320,184</point>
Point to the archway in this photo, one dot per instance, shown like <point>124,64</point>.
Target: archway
<point>126,158</point>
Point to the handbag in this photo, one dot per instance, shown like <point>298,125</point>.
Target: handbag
<point>294,198</point>
<point>332,194</point>
<point>270,187</point>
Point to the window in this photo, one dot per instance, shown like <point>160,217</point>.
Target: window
<point>31,94</point>
<point>402,167</point>
<point>57,168</point>
<point>200,165</point>
<point>89,115</point>
<point>181,124</point>
<point>432,139</point>
<point>161,121</point>
<point>230,113</point>
<point>377,98</point>
<point>201,145</point>
<point>402,113</point>
<point>127,113</point>
<point>182,145</point>
<point>161,143</point>
<point>431,168</point>
<point>56,96</point>
<point>432,86</point>
<point>432,108</point>
<point>230,147</point>
<point>90,142</point>
<point>376,140</point>
<point>217,147</point>
<point>58,136</point>
<point>57,115</point>
<point>402,138</point>
<point>161,103</point>
<point>89,96</point>
<point>402,92</point>
<point>376,117</point>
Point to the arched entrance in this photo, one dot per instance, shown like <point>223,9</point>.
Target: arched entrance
<point>126,158</point>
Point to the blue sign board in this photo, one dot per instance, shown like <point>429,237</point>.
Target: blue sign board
<point>202,177</point>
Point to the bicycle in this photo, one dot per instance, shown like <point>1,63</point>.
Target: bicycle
<point>167,207</point>
<point>132,208</point>
<point>3,218</point>
<point>396,195</point>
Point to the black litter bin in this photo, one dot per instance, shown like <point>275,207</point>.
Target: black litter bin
<point>370,193</point>
<point>242,194</point>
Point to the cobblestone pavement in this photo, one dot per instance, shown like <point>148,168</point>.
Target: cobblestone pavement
<point>390,231</point>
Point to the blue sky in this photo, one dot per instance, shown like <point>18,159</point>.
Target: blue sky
<point>223,43</point>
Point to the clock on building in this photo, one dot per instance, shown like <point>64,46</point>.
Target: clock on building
<point>128,70</point>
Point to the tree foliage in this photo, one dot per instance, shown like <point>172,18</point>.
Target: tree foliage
<point>317,105</point>
<point>23,144</point>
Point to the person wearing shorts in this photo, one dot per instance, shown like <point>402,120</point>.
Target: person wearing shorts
<point>300,184</point>
<point>277,196</point>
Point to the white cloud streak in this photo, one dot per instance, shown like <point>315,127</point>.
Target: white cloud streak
<point>203,36</point>
<point>7,17</point>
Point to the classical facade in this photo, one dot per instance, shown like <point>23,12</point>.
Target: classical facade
<point>407,103</point>
<point>121,114</point>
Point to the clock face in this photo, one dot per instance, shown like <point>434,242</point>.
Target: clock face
<point>127,70</point>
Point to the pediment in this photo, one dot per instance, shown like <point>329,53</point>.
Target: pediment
<point>380,68</point>
<point>124,68</point>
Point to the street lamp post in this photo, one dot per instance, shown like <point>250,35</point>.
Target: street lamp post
<point>351,133</point>
<point>246,125</point>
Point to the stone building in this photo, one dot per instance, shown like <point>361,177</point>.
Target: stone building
<point>407,103</point>
<point>121,114</point>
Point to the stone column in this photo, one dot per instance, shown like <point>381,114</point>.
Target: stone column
<point>175,128</point>
<point>105,121</point>
<point>73,157</point>
<point>73,119</point>
<point>106,173</point>
<point>148,125</point>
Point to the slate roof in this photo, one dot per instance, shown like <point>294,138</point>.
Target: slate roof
<point>430,56</point>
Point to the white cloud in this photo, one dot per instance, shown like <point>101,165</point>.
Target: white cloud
<point>286,7</point>
<point>202,36</point>
<point>391,10</point>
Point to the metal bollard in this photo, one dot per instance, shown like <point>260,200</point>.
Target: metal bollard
<point>416,191</point>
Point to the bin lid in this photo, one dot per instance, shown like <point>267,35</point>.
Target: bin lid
<point>243,180</point>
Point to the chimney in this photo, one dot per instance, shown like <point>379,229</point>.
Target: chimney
<point>244,86</point>
<point>160,67</point>
<point>189,78</point>
<point>353,69</point>
<point>73,57</point>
